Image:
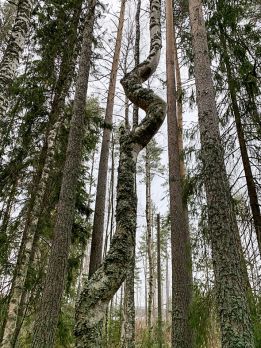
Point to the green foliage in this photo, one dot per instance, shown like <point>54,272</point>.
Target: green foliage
<point>200,316</point>
<point>146,340</point>
<point>65,337</point>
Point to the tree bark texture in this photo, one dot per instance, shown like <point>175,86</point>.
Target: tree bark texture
<point>160,333</point>
<point>128,324</point>
<point>14,50</point>
<point>104,283</point>
<point>98,222</point>
<point>35,207</point>
<point>128,332</point>
<point>48,314</point>
<point>234,314</point>
<point>180,240</point>
<point>137,56</point>
<point>179,105</point>
<point>149,241</point>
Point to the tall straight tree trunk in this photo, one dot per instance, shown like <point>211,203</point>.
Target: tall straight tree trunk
<point>48,314</point>
<point>233,308</point>
<point>180,241</point>
<point>149,240</point>
<point>179,105</point>
<point>14,50</point>
<point>104,283</point>
<point>167,286</point>
<point>251,186</point>
<point>98,222</point>
<point>160,333</point>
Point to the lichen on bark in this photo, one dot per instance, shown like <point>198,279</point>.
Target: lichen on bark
<point>100,288</point>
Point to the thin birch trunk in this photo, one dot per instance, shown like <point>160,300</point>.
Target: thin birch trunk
<point>231,297</point>
<point>35,206</point>
<point>14,50</point>
<point>18,281</point>
<point>48,314</point>
<point>104,283</point>
<point>98,222</point>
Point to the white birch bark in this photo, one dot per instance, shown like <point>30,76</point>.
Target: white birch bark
<point>27,244</point>
<point>14,49</point>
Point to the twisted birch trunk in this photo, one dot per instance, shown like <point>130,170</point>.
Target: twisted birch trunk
<point>14,50</point>
<point>233,308</point>
<point>104,283</point>
<point>128,327</point>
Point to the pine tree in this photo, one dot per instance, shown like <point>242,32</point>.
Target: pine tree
<point>180,240</point>
<point>98,223</point>
<point>47,319</point>
<point>229,276</point>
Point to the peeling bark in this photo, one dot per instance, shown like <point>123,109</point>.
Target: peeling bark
<point>104,283</point>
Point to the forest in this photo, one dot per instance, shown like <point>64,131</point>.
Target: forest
<point>130,174</point>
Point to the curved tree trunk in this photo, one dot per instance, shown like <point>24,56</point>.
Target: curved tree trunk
<point>98,222</point>
<point>14,50</point>
<point>47,319</point>
<point>234,313</point>
<point>104,283</point>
